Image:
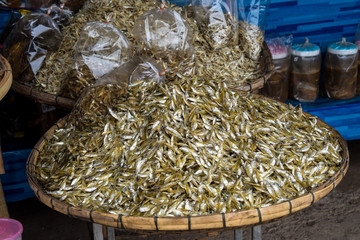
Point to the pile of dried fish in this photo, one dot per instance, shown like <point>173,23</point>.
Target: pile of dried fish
<point>190,147</point>
<point>235,62</point>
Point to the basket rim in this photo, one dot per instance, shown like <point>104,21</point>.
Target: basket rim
<point>67,103</point>
<point>239,219</point>
<point>42,97</point>
<point>7,80</point>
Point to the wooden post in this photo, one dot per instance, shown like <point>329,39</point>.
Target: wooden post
<point>98,232</point>
<point>110,233</point>
<point>238,235</point>
<point>256,233</point>
<point>2,169</point>
<point>3,207</point>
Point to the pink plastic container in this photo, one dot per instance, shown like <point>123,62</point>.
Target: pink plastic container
<point>10,229</point>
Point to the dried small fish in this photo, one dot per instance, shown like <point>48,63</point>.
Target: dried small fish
<point>191,147</point>
<point>212,55</point>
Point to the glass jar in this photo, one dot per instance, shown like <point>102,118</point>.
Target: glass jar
<point>341,70</point>
<point>278,85</point>
<point>305,72</point>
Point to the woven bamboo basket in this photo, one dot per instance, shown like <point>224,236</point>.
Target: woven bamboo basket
<point>68,103</point>
<point>43,97</point>
<point>218,222</point>
<point>6,78</point>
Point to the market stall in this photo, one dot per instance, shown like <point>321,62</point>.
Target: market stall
<point>165,133</point>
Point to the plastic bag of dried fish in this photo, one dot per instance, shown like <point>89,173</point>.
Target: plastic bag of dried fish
<point>252,26</point>
<point>27,45</point>
<point>217,21</point>
<point>166,36</point>
<point>60,14</point>
<point>95,100</point>
<point>100,48</point>
<point>138,68</point>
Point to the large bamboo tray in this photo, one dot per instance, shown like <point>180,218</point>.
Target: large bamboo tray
<point>68,103</point>
<point>164,224</point>
<point>7,79</point>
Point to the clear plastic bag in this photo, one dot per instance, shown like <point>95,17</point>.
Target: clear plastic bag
<point>100,49</point>
<point>341,70</point>
<point>217,21</point>
<point>305,72</point>
<point>60,15</point>
<point>277,86</point>
<point>138,68</point>
<point>252,16</point>
<point>27,45</point>
<point>96,101</point>
<point>165,36</point>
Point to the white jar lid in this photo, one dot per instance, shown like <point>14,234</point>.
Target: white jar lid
<point>343,48</point>
<point>279,55</point>
<point>277,51</point>
<point>305,53</point>
<point>306,49</point>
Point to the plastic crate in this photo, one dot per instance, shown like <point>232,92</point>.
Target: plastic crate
<point>4,18</point>
<point>14,181</point>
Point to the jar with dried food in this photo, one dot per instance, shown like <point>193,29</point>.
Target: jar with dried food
<point>278,85</point>
<point>341,70</point>
<point>305,72</point>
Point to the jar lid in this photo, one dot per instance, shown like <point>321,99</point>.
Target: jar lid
<point>343,48</point>
<point>278,51</point>
<point>306,49</point>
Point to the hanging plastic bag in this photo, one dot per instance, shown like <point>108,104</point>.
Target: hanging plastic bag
<point>277,86</point>
<point>341,70</point>
<point>165,36</point>
<point>27,45</point>
<point>252,16</point>
<point>61,15</point>
<point>100,49</point>
<point>217,21</point>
